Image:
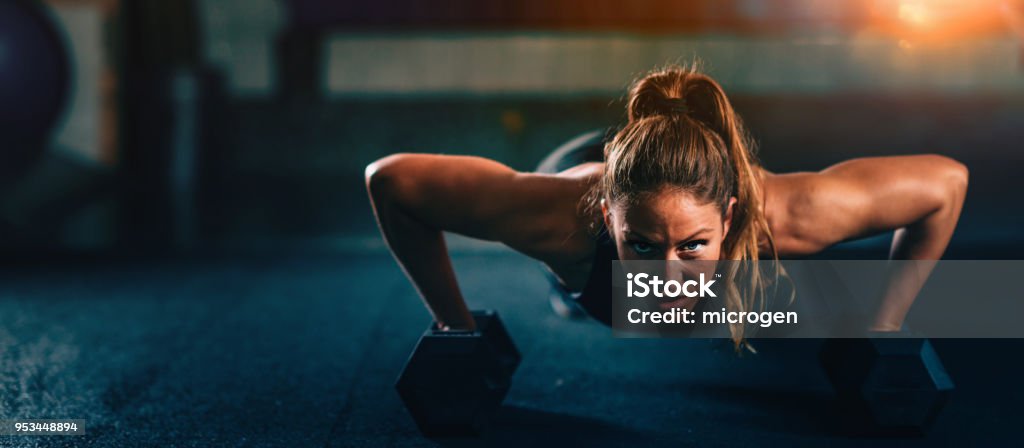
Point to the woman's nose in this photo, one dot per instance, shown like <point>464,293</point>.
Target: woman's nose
<point>672,267</point>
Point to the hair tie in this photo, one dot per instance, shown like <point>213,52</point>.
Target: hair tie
<point>678,105</point>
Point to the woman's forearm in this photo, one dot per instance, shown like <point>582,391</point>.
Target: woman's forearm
<point>904,282</point>
<point>921,244</point>
<point>416,197</point>
<point>421,252</point>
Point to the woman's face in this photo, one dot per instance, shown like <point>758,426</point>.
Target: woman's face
<point>667,225</point>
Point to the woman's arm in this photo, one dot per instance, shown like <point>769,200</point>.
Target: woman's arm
<point>416,197</point>
<point>919,197</point>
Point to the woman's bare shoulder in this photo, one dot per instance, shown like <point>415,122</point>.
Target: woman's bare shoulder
<point>810,211</point>
<point>784,195</point>
<point>807,211</point>
<point>589,172</point>
<point>576,242</point>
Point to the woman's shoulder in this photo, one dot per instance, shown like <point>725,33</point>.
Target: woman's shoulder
<point>564,236</point>
<point>590,172</point>
<point>792,203</point>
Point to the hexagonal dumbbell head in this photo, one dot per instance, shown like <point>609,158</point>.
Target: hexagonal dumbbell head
<point>898,381</point>
<point>454,382</point>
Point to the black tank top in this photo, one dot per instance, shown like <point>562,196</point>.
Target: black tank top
<point>596,296</point>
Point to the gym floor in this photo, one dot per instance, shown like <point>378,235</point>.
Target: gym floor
<point>303,350</point>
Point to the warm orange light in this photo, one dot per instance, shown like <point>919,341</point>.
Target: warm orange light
<point>915,13</point>
<point>933,20</point>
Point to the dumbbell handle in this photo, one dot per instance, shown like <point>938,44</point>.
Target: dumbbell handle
<point>448,329</point>
<point>481,318</point>
<point>456,332</point>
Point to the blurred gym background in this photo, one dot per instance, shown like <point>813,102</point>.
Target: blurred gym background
<point>162,126</point>
<point>181,197</point>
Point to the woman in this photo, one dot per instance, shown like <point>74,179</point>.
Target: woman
<point>678,182</point>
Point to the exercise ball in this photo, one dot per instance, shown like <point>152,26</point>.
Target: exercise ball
<point>34,83</point>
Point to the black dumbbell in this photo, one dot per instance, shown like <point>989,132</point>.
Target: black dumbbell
<point>455,381</point>
<point>897,382</point>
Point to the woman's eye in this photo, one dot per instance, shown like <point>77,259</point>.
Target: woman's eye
<point>693,246</point>
<point>641,248</point>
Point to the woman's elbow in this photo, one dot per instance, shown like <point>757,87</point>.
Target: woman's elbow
<point>957,176</point>
<point>961,177</point>
<point>384,177</point>
<point>951,177</point>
